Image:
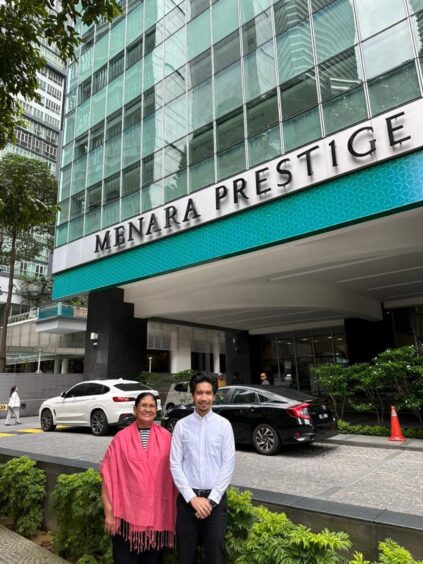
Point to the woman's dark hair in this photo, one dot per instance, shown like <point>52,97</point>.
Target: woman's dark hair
<point>199,379</point>
<point>142,395</point>
<point>12,389</point>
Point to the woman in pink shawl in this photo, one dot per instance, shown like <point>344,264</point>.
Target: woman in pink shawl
<point>138,493</point>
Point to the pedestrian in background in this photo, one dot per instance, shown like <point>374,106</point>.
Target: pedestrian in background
<point>138,493</point>
<point>264,380</point>
<point>13,407</point>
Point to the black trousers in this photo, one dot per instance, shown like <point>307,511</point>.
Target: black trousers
<point>122,553</point>
<point>210,532</point>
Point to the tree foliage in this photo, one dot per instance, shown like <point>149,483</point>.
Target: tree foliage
<point>27,205</point>
<point>24,25</point>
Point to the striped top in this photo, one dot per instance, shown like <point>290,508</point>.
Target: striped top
<point>144,434</point>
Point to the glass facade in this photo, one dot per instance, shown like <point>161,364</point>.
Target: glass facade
<point>288,358</point>
<point>176,95</point>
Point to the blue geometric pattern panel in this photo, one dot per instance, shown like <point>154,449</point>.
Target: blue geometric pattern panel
<point>378,190</point>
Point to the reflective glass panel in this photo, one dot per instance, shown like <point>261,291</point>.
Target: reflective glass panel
<point>199,38</point>
<point>228,92</point>
<point>375,16</point>
<point>201,174</point>
<point>294,51</point>
<point>298,94</point>
<point>231,161</point>
<point>394,88</point>
<point>225,18</point>
<point>257,32</point>
<point>334,29</point>
<point>259,71</point>
<point>387,50</point>
<point>301,129</point>
<point>200,105</point>
<point>262,114</point>
<point>252,8</point>
<point>341,73</point>
<point>264,146</point>
<point>288,13</point>
<point>230,129</point>
<point>345,110</point>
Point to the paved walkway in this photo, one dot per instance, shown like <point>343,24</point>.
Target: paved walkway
<point>15,549</point>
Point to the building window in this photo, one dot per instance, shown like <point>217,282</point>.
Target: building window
<point>111,189</point>
<point>116,67</point>
<point>134,54</point>
<point>100,79</point>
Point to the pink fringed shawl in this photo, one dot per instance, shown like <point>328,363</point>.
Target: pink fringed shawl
<point>140,487</point>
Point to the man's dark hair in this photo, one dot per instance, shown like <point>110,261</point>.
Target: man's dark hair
<point>199,379</point>
<point>142,395</point>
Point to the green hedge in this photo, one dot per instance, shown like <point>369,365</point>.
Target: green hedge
<point>255,535</point>
<point>22,492</point>
<point>376,430</point>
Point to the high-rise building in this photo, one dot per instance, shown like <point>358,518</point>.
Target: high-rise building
<point>241,185</point>
<point>40,139</point>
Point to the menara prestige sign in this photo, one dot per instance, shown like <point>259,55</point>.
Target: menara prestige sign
<point>384,137</point>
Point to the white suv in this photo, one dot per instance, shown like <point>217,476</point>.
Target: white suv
<point>98,404</point>
<point>178,394</point>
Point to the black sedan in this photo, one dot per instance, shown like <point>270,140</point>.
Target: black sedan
<point>266,416</point>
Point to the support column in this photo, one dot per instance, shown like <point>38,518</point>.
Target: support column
<point>56,367</point>
<point>365,339</point>
<point>237,355</point>
<point>116,342</point>
<point>180,349</point>
<point>65,366</point>
<point>216,354</point>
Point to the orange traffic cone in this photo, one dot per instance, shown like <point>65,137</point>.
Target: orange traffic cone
<point>396,433</point>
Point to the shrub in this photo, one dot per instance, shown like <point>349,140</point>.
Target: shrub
<point>274,538</point>
<point>241,516</point>
<point>79,511</point>
<point>389,553</point>
<point>22,492</point>
<point>376,430</point>
<point>334,380</point>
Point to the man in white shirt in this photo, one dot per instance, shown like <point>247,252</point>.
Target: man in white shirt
<point>202,461</point>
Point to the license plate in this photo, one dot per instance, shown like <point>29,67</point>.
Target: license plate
<point>323,415</point>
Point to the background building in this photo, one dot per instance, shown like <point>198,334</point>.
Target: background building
<point>252,169</point>
<point>39,139</point>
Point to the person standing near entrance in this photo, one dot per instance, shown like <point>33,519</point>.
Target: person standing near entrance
<point>202,461</point>
<point>13,407</point>
<point>264,380</point>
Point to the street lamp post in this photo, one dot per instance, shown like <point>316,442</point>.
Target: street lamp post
<point>150,361</point>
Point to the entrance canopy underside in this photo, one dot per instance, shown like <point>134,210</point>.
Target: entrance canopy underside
<point>311,282</point>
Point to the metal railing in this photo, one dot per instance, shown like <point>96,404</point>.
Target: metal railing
<point>61,310</point>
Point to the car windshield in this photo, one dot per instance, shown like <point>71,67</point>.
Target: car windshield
<point>131,387</point>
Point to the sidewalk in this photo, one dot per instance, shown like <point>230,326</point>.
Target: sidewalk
<point>415,445</point>
<point>15,549</point>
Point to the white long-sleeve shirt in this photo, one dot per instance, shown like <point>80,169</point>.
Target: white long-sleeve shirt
<point>202,455</point>
<point>14,400</point>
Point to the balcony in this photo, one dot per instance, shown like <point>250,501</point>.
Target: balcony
<point>61,318</point>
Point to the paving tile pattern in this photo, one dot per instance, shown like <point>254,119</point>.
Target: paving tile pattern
<point>369,476</point>
<point>15,549</point>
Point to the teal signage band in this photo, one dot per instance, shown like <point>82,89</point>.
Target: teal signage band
<point>379,190</point>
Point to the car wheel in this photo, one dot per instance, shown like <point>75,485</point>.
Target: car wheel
<point>169,406</point>
<point>171,424</point>
<point>266,439</point>
<point>99,423</point>
<point>47,421</point>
